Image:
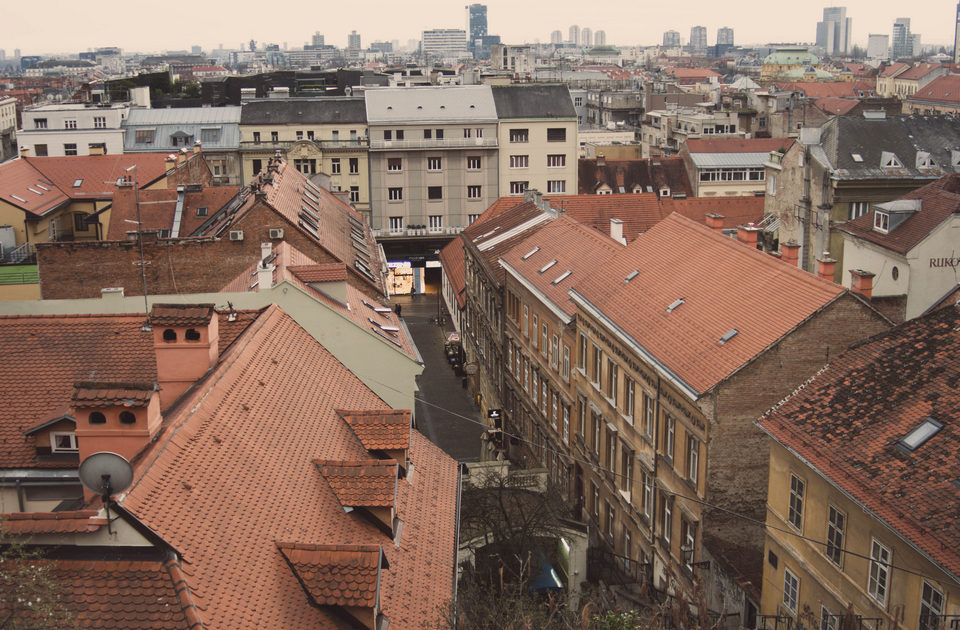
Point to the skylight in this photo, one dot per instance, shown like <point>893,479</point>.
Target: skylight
<point>916,438</point>
<point>547,266</point>
<point>630,276</point>
<point>77,183</point>
<point>673,306</point>
<point>34,190</point>
<point>20,199</point>
<point>530,253</point>
<point>42,187</point>
<point>561,277</point>
<point>856,157</point>
<point>727,336</point>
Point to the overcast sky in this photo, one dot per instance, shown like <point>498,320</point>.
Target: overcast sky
<point>50,26</point>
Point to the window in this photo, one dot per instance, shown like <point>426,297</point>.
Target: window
<point>669,433</point>
<point>471,218</point>
<point>566,424</point>
<point>40,150</point>
<point>689,534</point>
<point>63,442</point>
<point>473,163</point>
<point>274,136</point>
<point>536,327</point>
<point>396,224</point>
<point>70,149</point>
<point>39,123</point>
<point>858,209</point>
<point>667,523</point>
<point>79,224</point>
<point>399,134</point>
<point>395,164</point>
<point>434,164</point>
<point>795,511</point>
<point>544,339</point>
<point>395,194</point>
<point>597,366</point>
<point>516,135</point>
<point>609,522</point>
<point>878,581</point>
<point>388,134</point>
<point>836,523</point>
<point>473,192</point>
<point>257,166</point>
<point>355,194</point>
<point>693,458</point>
<point>827,620</point>
<point>931,607</point>
<point>256,137</point>
<point>647,499</point>
<point>613,378</point>
<point>517,188</point>
<point>596,499</point>
<point>519,161</point>
<point>309,135</point>
<point>335,134</point>
<point>434,192</point>
<point>436,222</point>
<point>335,166</point>
<point>353,134</point>
<point>202,211</point>
<point>881,221</point>
<point>144,136</point>
<point>556,186</point>
<point>791,590</point>
<point>555,352</point>
<point>354,166</point>
<point>566,363</point>
<point>582,357</point>
<point>467,133</point>
<point>649,409</point>
<point>629,394</point>
<point>219,167</point>
<point>439,134</point>
<point>557,160</point>
<point>626,470</point>
<point>99,122</point>
<point>299,135</point>
<point>428,134</point>
<point>305,166</point>
<point>578,101</point>
<point>526,319</point>
<point>556,134</point>
<point>772,185</point>
<point>597,421</point>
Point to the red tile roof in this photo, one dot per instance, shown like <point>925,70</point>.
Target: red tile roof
<point>738,145</point>
<point>579,252</point>
<point>497,235</point>
<point>181,314</point>
<point>939,200</point>
<point>336,575</point>
<point>362,483</point>
<point>451,258</point>
<point>694,73</point>
<point>816,89</point>
<point>655,173</point>
<point>30,523</point>
<point>846,422</point>
<point>724,286</point>
<point>893,69</point>
<point>380,430</point>
<point>638,211</point>
<point>944,90</point>
<point>736,210</point>
<point>158,207</point>
<point>330,272</point>
<point>835,105</point>
<point>254,414</point>
<point>919,70</point>
<point>91,394</point>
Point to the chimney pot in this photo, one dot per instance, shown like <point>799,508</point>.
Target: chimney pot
<point>715,222</point>
<point>825,267</point>
<point>196,147</point>
<point>862,282</point>
<point>790,253</point>
<point>616,231</point>
<point>747,234</point>
<point>24,151</point>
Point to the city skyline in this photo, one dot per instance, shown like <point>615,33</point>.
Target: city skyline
<point>74,28</point>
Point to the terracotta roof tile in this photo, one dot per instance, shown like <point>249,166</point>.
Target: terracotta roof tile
<point>736,210</point>
<point>92,394</point>
<point>724,285</point>
<point>821,89</point>
<point>336,575</point>
<point>67,522</point>
<point>499,233</point>
<point>835,105</point>
<point>158,207</point>
<point>847,422</point>
<point>944,90</point>
<point>639,212</point>
<point>362,483</point>
<point>181,314</point>
<point>454,267</point>
<point>331,272</point>
<point>918,71</point>
<point>655,173</point>
<point>380,430</point>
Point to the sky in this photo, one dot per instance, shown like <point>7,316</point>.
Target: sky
<point>68,26</point>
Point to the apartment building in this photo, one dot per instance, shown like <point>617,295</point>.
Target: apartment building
<point>8,128</point>
<point>729,166</point>
<point>537,139</point>
<point>862,500</point>
<point>61,129</point>
<point>327,135</point>
<point>664,132</point>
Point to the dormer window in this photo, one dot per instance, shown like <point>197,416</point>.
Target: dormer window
<point>925,160</point>
<point>881,221</point>
<point>63,442</point>
<point>127,417</point>
<point>889,160</point>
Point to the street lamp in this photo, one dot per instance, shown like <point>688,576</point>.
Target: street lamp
<point>143,271</point>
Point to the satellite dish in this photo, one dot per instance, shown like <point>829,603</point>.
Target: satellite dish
<point>106,473</point>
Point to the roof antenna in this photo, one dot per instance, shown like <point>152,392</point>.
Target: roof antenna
<point>143,269</point>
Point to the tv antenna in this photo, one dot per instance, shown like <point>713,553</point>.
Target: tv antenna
<point>106,474</point>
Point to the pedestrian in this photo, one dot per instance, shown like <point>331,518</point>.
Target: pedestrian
<point>397,308</point>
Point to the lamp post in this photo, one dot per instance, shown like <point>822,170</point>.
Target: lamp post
<point>143,271</point>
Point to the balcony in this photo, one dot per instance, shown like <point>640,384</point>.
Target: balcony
<point>445,143</point>
<point>323,145</point>
<point>416,231</point>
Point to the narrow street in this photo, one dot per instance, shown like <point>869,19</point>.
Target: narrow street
<point>446,415</point>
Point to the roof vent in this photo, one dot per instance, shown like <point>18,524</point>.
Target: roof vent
<point>674,305</point>
<point>856,157</point>
<point>727,336</point>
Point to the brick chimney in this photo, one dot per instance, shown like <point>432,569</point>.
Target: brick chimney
<point>186,342</point>
<point>747,234</point>
<point>790,253</point>
<point>196,147</point>
<point>616,231</point>
<point>862,282</point>
<point>715,222</point>
<point>825,267</point>
<point>117,417</point>
<point>170,162</point>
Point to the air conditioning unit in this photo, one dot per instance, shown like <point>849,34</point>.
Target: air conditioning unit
<point>236,235</point>
<point>276,233</point>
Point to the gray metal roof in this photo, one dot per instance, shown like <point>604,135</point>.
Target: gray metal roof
<point>289,111</point>
<point>729,160</point>
<point>533,101</point>
<point>183,115</point>
<point>455,103</point>
<point>217,128</point>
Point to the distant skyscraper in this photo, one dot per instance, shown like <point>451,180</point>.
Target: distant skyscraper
<point>833,33</point>
<point>317,39</point>
<point>878,46</point>
<point>353,45</point>
<point>477,24</point>
<point>3,55</point>
<point>586,36</point>
<point>725,36</point>
<point>196,50</point>
<point>600,38</point>
<point>444,42</point>
<point>956,38</point>
<point>16,53</point>
<point>556,37</point>
<point>902,40</point>
<point>671,39</point>
<point>698,38</point>
<point>574,37</point>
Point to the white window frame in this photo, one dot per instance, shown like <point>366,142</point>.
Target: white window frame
<point>396,224</point>
<point>836,531</point>
<point>474,191</point>
<point>556,160</point>
<point>930,610</point>
<point>518,188</point>
<point>791,590</point>
<point>798,489</point>
<point>519,161</point>
<point>878,576</point>
<point>435,222</point>
<point>394,165</point>
<point>394,194</point>
<point>70,435</point>
<point>693,458</point>
<point>434,163</point>
<point>556,186</point>
<point>474,162</point>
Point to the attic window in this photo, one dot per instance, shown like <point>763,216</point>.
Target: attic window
<point>925,160</point>
<point>530,253</point>
<point>20,199</point>
<point>881,221</point>
<point>169,335</point>
<point>34,190</point>
<point>547,266</point>
<point>674,305</point>
<point>77,183</point>
<point>202,211</point>
<point>889,160</point>
<point>630,276</point>
<point>561,277</point>
<point>856,157</point>
<point>42,187</point>
<point>918,437</point>
<point>727,336</point>
<point>63,442</point>
<point>127,417</point>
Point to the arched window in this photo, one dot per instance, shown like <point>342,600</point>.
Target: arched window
<point>192,334</point>
<point>169,335</point>
<point>97,418</point>
<point>127,417</point>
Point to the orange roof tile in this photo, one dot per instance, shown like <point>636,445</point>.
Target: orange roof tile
<point>67,522</point>
<point>836,105</point>
<point>363,483</point>
<point>724,286</point>
<point>944,90</point>
<point>181,314</point>
<point>919,70</point>
<point>847,422</point>
<point>736,210</point>
<point>820,89</point>
<point>336,575</point>
<point>451,258</point>
<point>91,394</point>
<point>380,430</point>
<point>499,233</point>
<point>330,272</point>
<point>639,211</point>
<point>158,207</point>
<point>655,173</point>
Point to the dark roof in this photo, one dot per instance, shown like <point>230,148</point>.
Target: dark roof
<point>533,101</point>
<point>312,110</point>
<point>848,421</point>
<point>655,173</point>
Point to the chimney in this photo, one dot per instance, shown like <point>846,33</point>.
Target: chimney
<point>182,156</point>
<point>170,162</point>
<point>186,343</point>
<point>825,266</point>
<point>715,222</point>
<point>24,151</point>
<point>601,159</point>
<point>862,282</point>
<point>790,253</point>
<point>747,234</point>
<point>196,147</point>
<point>616,231</point>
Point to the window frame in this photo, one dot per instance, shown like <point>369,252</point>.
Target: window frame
<point>798,487</point>
<point>791,589</point>
<point>72,438</point>
<point>835,535</point>
<point>878,572</point>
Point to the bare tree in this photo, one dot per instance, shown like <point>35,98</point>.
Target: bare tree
<point>30,595</point>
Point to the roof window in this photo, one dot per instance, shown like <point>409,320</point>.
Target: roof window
<point>630,276</point>
<point>561,277</point>
<point>727,336</point>
<point>889,160</point>
<point>547,266</point>
<point>77,182</point>
<point>918,437</point>
<point>881,221</point>
<point>673,306</point>
<point>530,253</point>
<point>856,157</point>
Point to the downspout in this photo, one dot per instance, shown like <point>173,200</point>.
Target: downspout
<point>653,495</point>
<point>456,545</point>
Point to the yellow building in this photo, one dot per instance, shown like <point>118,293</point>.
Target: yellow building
<point>787,58</point>
<point>863,497</point>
